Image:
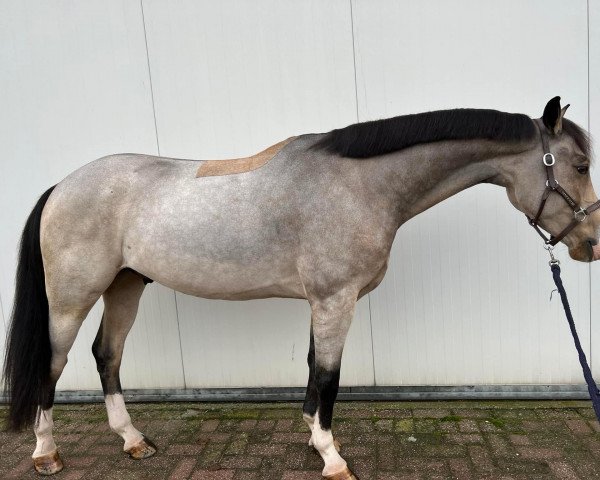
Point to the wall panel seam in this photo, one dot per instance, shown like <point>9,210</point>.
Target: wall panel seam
<point>158,152</point>
<point>4,317</point>
<point>150,77</point>
<point>589,128</point>
<point>354,59</point>
<point>358,120</point>
<point>180,344</point>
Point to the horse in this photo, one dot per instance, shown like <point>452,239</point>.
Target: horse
<point>313,217</point>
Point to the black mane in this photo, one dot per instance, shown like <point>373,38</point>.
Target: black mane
<point>378,137</point>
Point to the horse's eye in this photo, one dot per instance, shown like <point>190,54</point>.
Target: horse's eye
<point>583,169</point>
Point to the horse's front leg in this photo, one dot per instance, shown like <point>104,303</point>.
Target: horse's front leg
<point>311,399</point>
<point>331,319</point>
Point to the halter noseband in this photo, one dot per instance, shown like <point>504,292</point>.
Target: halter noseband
<point>579,213</point>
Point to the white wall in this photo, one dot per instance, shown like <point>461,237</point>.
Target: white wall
<point>466,298</point>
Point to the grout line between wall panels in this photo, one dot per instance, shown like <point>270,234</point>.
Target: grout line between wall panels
<point>158,152</point>
<point>2,314</point>
<point>354,60</point>
<point>358,120</point>
<point>589,130</point>
<point>180,344</point>
<point>150,77</point>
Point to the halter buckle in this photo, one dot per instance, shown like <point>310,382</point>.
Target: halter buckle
<point>581,214</point>
<point>548,159</point>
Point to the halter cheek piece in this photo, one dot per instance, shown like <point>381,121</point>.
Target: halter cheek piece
<point>579,213</point>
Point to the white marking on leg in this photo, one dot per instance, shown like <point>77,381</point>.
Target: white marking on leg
<point>310,421</point>
<point>43,433</point>
<point>323,442</point>
<point>120,421</point>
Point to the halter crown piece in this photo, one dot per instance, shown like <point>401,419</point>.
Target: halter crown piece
<point>552,185</point>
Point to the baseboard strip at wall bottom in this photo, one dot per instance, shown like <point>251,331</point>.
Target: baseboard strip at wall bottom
<point>287,394</point>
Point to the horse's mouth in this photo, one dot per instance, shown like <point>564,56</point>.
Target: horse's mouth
<point>587,251</point>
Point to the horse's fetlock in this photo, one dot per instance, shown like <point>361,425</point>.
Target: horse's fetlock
<point>119,425</point>
<point>44,428</point>
<point>322,440</point>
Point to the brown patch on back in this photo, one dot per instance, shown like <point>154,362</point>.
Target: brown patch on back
<point>211,168</point>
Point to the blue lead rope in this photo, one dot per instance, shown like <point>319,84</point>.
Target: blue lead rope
<point>587,373</point>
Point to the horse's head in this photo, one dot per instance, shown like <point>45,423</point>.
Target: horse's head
<point>532,177</point>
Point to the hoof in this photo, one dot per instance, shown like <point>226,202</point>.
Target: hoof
<point>143,449</point>
<point>48,464</point>
<point>343,475</point>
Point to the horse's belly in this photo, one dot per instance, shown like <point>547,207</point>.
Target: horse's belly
<point>219,279</point>
<point>239,285</point>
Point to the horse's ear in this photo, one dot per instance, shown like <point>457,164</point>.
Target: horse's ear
<point>553,115</point>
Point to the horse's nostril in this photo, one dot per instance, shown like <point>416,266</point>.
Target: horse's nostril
<point>592,241</point>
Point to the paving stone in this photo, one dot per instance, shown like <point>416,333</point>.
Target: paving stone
<point>481,459</point>
<point>461,440</point>
<point>284,425</point>
<point>209,425</point>
<point>298,475</point>
<point>519,439</point>
<point>183,469</point>
<point>464,438</point>
<point>186,449</point>
<point>499,445</point>
<point>266,449</point>
<point>468,426</point>
<point>241,461</point>
<point>563,471</point>
<point>536,453</point>
<point>460,468</point>
<point>213,475</point>
<point>579,427</point>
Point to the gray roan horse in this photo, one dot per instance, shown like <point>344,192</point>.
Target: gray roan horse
<point>314,219</point>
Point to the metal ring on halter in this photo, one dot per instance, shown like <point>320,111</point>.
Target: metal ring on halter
<point>580,214</point>
<point>550,162</point>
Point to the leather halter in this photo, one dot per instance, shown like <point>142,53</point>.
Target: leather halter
<point>552,185</point>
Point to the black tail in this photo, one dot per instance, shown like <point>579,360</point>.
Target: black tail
<point>28,352</point>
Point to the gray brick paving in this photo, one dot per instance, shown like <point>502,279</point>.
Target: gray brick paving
<point>381,441</point>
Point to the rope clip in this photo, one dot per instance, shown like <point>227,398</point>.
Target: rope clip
<point>553,259</point>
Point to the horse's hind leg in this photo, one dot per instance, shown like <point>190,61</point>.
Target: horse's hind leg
<point>63,327</point>
<point>121,302</point>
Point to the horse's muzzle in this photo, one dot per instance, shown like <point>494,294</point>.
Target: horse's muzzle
<point>595,252</point>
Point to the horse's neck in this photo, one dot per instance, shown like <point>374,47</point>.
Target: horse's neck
<point>423,176</point>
